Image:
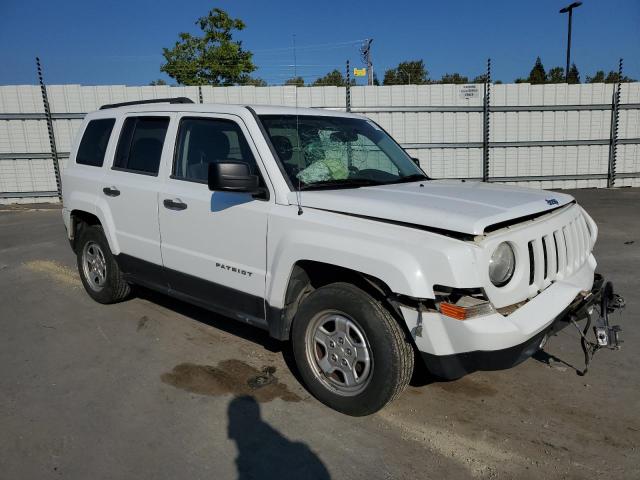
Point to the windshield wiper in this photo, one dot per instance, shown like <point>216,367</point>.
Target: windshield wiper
<point>344,183</point>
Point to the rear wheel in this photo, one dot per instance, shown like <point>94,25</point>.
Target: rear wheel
<point>351,353</point>
<point>99,271</point>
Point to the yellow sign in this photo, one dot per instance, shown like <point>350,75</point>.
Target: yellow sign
<point>359,72</point>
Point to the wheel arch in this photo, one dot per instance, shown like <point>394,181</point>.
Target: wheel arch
<point>100,215</point>
<point>79,218</point>
<point>308,275</point>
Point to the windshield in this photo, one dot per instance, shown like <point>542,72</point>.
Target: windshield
<point>337,152</point>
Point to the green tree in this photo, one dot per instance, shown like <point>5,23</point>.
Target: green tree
<point>612,77</point>
<point>555,75</point>
<point>482,78</point>
<point>574,75</point>
<point>213,58</point>
<point>453,78</point>
<point>376,82</point>
<point>537,74</point>
<point>333,78</point>
<point>254,81</point>
<point>411,72</point>
<point>391,77</point>
<point>154,83</point>
<point>598,77</point>
<point>297,81</point>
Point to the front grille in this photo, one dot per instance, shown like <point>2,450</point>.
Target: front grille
<point>559,253</point>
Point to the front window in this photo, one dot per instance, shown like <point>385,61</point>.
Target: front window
<point>202,141</point>
<point>335,152</point>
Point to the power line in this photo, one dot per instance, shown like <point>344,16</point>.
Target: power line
<point>312,46</point>
<point>268,69</point>
<point>263,50</point>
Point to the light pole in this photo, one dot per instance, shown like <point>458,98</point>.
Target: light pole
<point>569,9</point>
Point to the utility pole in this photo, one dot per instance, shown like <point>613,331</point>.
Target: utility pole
<point>569,9</point>
<point>365,51</point>
<point>348,88</point>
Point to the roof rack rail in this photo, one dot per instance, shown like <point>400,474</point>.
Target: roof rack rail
<point>142,102</point>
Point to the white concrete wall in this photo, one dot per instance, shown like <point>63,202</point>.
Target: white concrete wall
<point>408,127</point>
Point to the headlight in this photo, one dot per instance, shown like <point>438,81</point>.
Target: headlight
<point>502,265</point>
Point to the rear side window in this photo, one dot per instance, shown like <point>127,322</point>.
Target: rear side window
<point>202,141</point>
<point>94,142</point>
<point>140,144</point>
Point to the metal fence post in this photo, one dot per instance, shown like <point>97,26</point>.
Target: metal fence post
<point>200,93</point>
<point>348,91</point>
<point>485,123</point>
<point>52,138</point>
<point>613,132</point>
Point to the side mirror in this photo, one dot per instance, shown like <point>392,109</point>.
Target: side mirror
<point>232,177</point>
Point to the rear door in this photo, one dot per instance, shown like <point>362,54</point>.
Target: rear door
<point>214,243</point>
<point>130,189</point>
<point>84,171</point>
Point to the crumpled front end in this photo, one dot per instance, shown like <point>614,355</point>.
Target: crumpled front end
<point>491,327</point>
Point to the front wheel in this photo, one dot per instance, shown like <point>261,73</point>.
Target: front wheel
<point>352,354</point>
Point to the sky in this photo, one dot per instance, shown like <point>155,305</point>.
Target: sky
<point>120,42</point>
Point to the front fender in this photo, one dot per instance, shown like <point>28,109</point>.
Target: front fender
<point>409,261</point>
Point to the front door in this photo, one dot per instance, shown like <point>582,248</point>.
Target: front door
<point>214,243</point>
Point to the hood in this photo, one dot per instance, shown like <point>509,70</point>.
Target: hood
<point>452,205</point>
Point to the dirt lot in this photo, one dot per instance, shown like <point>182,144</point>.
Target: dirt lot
<point>154,388</point>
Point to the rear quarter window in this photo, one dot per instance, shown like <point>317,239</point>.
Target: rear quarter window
<point>95,139</point>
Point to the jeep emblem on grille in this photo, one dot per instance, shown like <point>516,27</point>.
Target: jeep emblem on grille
<point>551,201</point>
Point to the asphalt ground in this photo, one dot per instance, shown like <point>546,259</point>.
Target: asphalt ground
<point>155,388</point>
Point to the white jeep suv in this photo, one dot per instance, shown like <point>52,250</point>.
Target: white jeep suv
<point>318,227</point>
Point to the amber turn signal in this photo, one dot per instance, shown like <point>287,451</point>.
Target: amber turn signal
<point>453,311</point>
<point>464,313</point>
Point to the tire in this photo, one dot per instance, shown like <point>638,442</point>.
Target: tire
<point>379,358</point>
<point>98,269</point>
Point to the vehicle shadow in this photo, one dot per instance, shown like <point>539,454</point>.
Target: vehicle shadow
<point>265,453</point>
<point>220,322</point>
<point>549,359</point>
<point>202,315</point>
<point>421,376</point>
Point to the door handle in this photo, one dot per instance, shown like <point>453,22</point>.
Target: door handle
<point>111,191</point>
<point>174,205</point>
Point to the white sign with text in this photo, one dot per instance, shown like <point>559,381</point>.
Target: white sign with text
<point>469,91</point>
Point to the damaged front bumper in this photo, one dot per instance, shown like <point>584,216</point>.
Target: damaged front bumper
<point>600,301</point>
<point>603,301</point>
